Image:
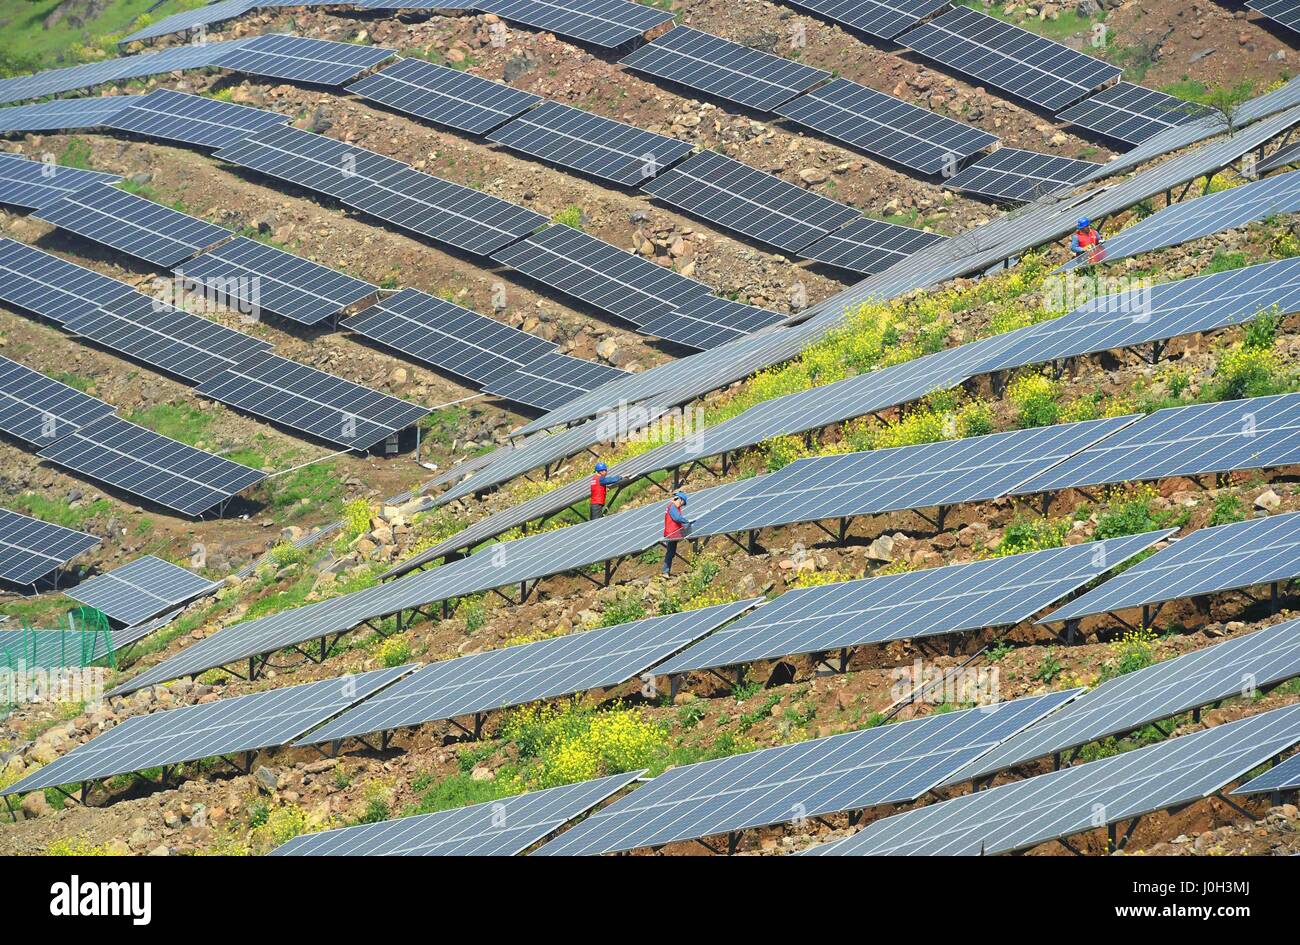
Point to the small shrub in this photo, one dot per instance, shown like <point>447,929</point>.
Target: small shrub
<point>622,609</point>
<point>1227,509</point>
<point>475,613</point>
<point>1048,668</point>
<point>286,554</point>
<point>571,215</point>
<point>1133,651</point>
<point>356,519</point>
<point>1036,399</point>
<point>394,652</point>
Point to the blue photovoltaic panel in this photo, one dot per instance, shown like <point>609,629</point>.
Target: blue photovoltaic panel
<point>446,96</point>
<point>208,730</point>
<point>516,675</point>
<point>1023,814</point>
<point>1169,688</point>
<point>151,466</point>
<point>62,114</point>
<point>31,549</point>
<point>192,119</point>
<point>302,59</point>
<point>599,273</point>
<point>742,198</point>
<point>1283,777</point>
<point>882,18</point>
<point>994,592</point>
<point>709,321</point>
<point>1208,561</point>
<point>592,144</point>
<point>1007,57</point>
<point>134,225</point>
<point>38,409</point>
<point>887,127</point>
<point>315,402</point>
<point>1255,433</point>
<point>32,184</point>
<point>503,827</point>
<point>1286,12</point>
<point>724,69</point>
<point>882,765</point>
<point>1201,216</point>
<point>948,472</point>
<point>208,15</point>
<point>551,380</point>
<point>1014,174</point>
<point>446,336</point>
<point>607,23</point>
<point>866,246</point>
<point>258,278</point>
<point>1131,113</point>
<point>1288,154</point>
<point>54,288</point>
<point>142,589</point>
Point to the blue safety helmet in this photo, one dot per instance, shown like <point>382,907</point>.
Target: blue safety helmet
<point>680,495</point>
<point>1084,223</point>
<point>601,467</point>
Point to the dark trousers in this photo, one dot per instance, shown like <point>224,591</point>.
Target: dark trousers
<point>596,511</point>
<point>670,552</point>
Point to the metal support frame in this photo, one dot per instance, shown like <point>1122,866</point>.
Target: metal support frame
<point>1116,842</point>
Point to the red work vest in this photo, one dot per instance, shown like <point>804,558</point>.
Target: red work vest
<point>672,529</point>
<point>1088,239</point>
<point>597,491</point>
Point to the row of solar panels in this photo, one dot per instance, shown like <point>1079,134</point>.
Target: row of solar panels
<point>1183,441</point>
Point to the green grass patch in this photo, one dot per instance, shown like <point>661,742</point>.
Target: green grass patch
<point>59,511</point>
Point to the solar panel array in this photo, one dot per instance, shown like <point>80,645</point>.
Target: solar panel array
<point>1213,213</point>
<point>1208,561</point>
<point>53,287</point>
<point>503,827</point>
<point>386,189</point>
<point>1282,777</point>
<point>446,96</point>
<point>516,675</point>
<point>1132,113</point>
<point>993,592</point>
<point>607,23</point>
<point>1186,441</point>
<point>323,405</point>
<point>882,765</point>
<point>208,730</point>
<point>197,18</point>
<point>1286,12</point>
<point>61,114</point>
<point>887,127</point>
<point>1288,154</point>
<point>257,278</point>
<point>1009,58</point>
<point>302,59</point>
<point>552,380</point>
<point>1239,667</point>
<point>141,590</point>
<point>38,409</point>
<point>1013,174</point>
<point>724,69</point>
<point>1023,814</point>
<point>134,225</point>
<point>30,549</point>
<point>592,144</point>
<point>151,466</point>
<point>882,18</point>
<point>709,321</point>
<point>866,246</point>
<point>742,198</point>
<point>192,119</point>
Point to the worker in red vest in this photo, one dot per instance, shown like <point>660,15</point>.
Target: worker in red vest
<point>600,480</point>
<point>1086,239</point>
<point>675,525</point>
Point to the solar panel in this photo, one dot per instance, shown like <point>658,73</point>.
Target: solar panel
<point>993,592</point>
<point>749,201</point>
<point>142,589</point>
<point>447,336</point>
<point>53,287</point>
<point>1154,313</point>
<point>192,119</point>
<point>517,675</point>
<point>1213,213</point>
<point>208,730</point>
<point>1084,797</point>
<point>132,224</point>
<point>882,18</point>
<point>387,189</point>
<point>30,549</point>
<point>882,765</point>
<point>709,321</point>
<point>1286,12</point>
<point>1289,154</point>
<point>315,402</point>
<point>38,409</point>
<point>599,273</point>
<point>447,96</point>
<point>151,466</point>
<point>30,184</point>
<point>1239,667</point>
<point>1013,174</point>
<point>607,23</point>
<point>504,827</point>
<point>1009,58</point>
<point>887,127</point>
<point>1282,777</point>
<point>203,16</point>
<point>1131,113</point>
<point>724,69</point>
<point>61,114</point>
<point>258,278</point>
<point>551,380</point>
<point>1186,441</point>
<point>592,144</point>
<point>302,59</point>
<point>866,246</point>
<point>948,472</point>
<point>1208,561</point>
